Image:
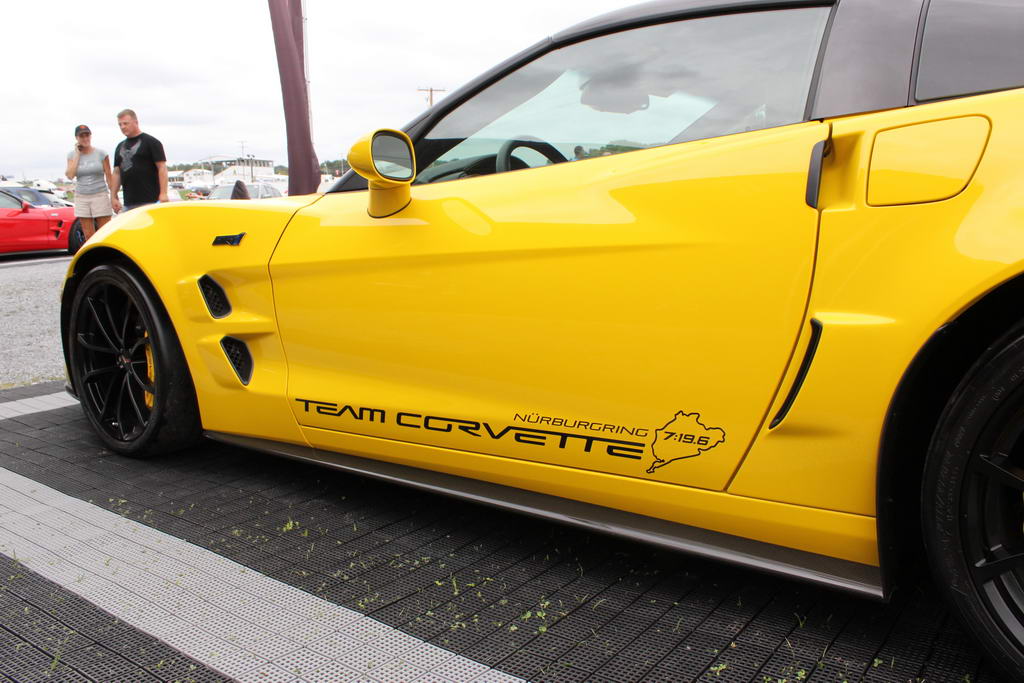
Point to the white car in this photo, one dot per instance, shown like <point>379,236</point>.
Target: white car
<point>256,191</point>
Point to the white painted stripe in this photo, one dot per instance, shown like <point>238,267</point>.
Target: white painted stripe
<point>36,404</point>
<point>231,618</point>
<point>33,262</point>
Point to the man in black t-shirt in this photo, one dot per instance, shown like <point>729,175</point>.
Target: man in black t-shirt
<point>139,165</point>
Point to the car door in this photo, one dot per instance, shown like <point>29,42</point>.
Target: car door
<point>605,263</point>
<point>21,229</point>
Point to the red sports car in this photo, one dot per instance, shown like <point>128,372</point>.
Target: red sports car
<point>24,227</point>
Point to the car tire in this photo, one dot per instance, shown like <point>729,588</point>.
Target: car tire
<point>76,238</point>
<point>972,511</point>
<point>127,366</point>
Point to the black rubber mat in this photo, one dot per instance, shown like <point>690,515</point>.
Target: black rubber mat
<point>48,633</point>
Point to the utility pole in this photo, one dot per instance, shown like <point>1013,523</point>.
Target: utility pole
<point>305,65</point>
<point>242,143</point>
<point>431,91</point>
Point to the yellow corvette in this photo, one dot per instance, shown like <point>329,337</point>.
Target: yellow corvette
<point>741,278</point>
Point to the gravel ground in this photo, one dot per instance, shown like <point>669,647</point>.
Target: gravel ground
<point>30,319</point>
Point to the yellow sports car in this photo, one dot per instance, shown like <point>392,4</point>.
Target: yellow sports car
<point>736,277</point>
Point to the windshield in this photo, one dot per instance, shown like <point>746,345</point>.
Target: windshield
<point>30,196</point>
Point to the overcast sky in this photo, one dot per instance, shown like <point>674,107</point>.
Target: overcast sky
<point>203,77</point>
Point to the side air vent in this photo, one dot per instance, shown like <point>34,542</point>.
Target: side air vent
<point>215,297</point>
<point>239,357</point>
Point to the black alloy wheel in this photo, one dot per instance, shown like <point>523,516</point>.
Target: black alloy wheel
<point>127,365</point>
<point>76,237</point>
<point>973,503</point>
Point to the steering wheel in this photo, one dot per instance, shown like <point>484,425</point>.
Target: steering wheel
<point>503,162</point>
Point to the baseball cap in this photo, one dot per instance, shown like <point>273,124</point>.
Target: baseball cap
<point>82,129</point>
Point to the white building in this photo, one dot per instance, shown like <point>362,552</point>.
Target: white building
<point>198,176</point>
<point>247,169</point>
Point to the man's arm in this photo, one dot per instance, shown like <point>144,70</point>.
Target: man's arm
<point>115,185</point>
<point>161,172</point>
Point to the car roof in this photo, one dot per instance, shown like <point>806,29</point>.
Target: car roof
<point>666,10</point>
<point>21,188</point>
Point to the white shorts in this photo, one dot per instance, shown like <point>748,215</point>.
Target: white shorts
<point>92,205</point>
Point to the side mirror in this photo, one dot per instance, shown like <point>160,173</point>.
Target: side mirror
<point>387,160</point>
<point>25,206</point>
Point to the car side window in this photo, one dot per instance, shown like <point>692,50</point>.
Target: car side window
<point>9,202</point>
<point>970,46</point>
<point>634,89</point>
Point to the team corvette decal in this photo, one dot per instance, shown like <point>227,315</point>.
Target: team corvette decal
<point>482,430</point>
<point>537,418</point>
<point>683,437</point>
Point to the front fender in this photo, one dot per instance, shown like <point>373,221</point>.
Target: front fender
<point>172,246</point>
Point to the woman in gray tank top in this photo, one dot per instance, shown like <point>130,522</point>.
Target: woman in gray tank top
<point>91,166</point>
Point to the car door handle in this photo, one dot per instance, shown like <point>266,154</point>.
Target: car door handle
<point>818,154</point>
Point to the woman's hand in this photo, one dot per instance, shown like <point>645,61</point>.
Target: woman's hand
<point>72,168</point>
